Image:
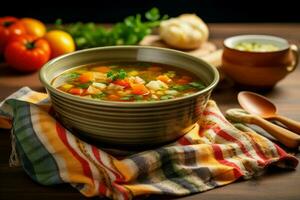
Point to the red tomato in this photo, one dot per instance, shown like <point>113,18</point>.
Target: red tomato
<point>27,53</point>
<point>123,83</point>
<point>76,91</point>
<point>9,26</point>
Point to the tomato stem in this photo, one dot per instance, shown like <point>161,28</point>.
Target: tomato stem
<point>7,23</point>
<point>30,45</point>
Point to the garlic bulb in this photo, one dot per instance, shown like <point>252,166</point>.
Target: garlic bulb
<point>187,31</point>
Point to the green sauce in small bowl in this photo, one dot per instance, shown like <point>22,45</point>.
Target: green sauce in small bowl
<point>256,47</point>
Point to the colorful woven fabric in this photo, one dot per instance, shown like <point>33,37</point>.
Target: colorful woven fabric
<point>214,153</point>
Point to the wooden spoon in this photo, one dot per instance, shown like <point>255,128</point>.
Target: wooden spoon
<point>284,136</point>
<point>260,105</point>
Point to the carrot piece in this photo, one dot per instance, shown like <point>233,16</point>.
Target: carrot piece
<point>123,83</point>
<point>139,89</point>
<point>103,69</point>
<point>154,69</point>
<point>113,97</point>
<point>86,77</point>
<point>164,78</point>
<point>76,91</point>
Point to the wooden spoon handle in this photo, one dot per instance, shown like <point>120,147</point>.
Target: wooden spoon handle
<point>289,123</point>
<point>284,136</point>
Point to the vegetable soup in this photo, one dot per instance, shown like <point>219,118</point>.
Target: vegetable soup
<point>128,82</point>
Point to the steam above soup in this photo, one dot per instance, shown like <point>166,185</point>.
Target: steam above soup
<point>128,82</point>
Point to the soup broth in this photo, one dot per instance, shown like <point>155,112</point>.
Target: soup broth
<point>128,82</point>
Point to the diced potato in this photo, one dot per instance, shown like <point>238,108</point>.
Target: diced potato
<point>87,96</point>
<point>139,80</point>
<point>136,79</point>
<point>157,85</point>
<point>100,86</point>
<point>100,77</point>
<point>92,90</point>
<point>154,96</point>
<point>171,92</point>
<point>112,86</point>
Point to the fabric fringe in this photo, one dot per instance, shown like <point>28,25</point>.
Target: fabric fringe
<point>13,158</point>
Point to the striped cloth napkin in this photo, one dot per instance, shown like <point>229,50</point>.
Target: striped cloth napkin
<point>214,153</point>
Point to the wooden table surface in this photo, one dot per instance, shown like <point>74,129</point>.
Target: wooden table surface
<point>274,184</point>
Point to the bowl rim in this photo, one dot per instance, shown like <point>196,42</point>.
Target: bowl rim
<point>48,86</point>
<point>255,36</point>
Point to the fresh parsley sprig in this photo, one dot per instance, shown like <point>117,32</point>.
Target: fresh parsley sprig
<point>129,32</point>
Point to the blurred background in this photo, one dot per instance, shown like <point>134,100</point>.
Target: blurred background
<point>110,11</point>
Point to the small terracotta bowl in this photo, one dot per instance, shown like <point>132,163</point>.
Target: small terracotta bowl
<point>259,69</point>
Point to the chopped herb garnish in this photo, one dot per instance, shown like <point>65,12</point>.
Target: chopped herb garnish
<point>165,97</point>
<point>72,75</point>
<point>126,98</point>
<point>84,85</point>
<point>111,75</point>
<point>181,87</point>
<point>138,97</point>
<point>197,85</point>
<point>122,74</point>
<point>170,74</point>
<point>98,96</point>
<point>132,97</point>
<point>114,75</point>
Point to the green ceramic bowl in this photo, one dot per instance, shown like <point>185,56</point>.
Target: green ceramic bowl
<point>129,124</point>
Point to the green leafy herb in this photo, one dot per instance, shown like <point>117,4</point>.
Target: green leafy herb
<point>132,97</point>
<point>170,74</point>
<point>84,85</point>
<point>98,96</point>
<point>181,87</point>
<point>138,97</point>
<point>116,74</point>
<point>165,97</point>
<point>126,98</point>
<point>197,85</point>
<point>111,75</point>
<point>131,31</point>
<point>72,75</point>
<point>122,74</point>
<point>153,14</point>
